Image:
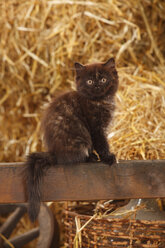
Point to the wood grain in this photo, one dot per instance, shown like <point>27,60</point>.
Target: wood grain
<point>94,181</point>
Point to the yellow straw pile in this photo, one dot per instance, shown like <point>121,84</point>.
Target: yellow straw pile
<point>41,40</point>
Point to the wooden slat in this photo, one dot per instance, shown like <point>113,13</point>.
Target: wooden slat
<point>95,181</point>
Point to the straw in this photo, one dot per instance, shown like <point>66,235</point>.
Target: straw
<point>41,40</point>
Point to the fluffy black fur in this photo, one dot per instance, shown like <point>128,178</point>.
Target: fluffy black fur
<point>74,126</point>
<point>36,164</point>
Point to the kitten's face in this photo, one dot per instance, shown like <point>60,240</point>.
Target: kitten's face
<point>96,81</point>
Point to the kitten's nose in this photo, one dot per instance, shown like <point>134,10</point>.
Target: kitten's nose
<point>97,86</point>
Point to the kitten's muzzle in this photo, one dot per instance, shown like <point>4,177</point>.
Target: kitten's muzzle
<point>97,86</point>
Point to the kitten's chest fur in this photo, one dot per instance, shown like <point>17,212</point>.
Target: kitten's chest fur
<point>98,114</point>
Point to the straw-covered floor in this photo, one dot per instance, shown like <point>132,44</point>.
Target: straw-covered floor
<point>41,40</point>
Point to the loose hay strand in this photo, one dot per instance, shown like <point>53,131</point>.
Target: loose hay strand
<point>7,241</point>
<point>77,239</point>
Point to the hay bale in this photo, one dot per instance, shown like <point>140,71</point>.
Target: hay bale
<point>40,41</point>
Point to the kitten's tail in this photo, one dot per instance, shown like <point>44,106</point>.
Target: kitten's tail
<point>35,166</point>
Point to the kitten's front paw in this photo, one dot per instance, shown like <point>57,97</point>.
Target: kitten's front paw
<point>92,158</point>
<point>110,159</point>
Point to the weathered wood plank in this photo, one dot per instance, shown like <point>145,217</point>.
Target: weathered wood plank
<point>95,181</point>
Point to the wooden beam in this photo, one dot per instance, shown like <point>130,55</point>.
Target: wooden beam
<point>94,181</point>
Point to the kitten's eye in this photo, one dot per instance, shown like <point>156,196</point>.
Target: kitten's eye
<point>89,82</point>
<point>103,80</point>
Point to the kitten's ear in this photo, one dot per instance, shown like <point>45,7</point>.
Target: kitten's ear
<point>110,63</point>
<point>78,66</point>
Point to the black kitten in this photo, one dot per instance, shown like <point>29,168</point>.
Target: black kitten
<point>74,125</point>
